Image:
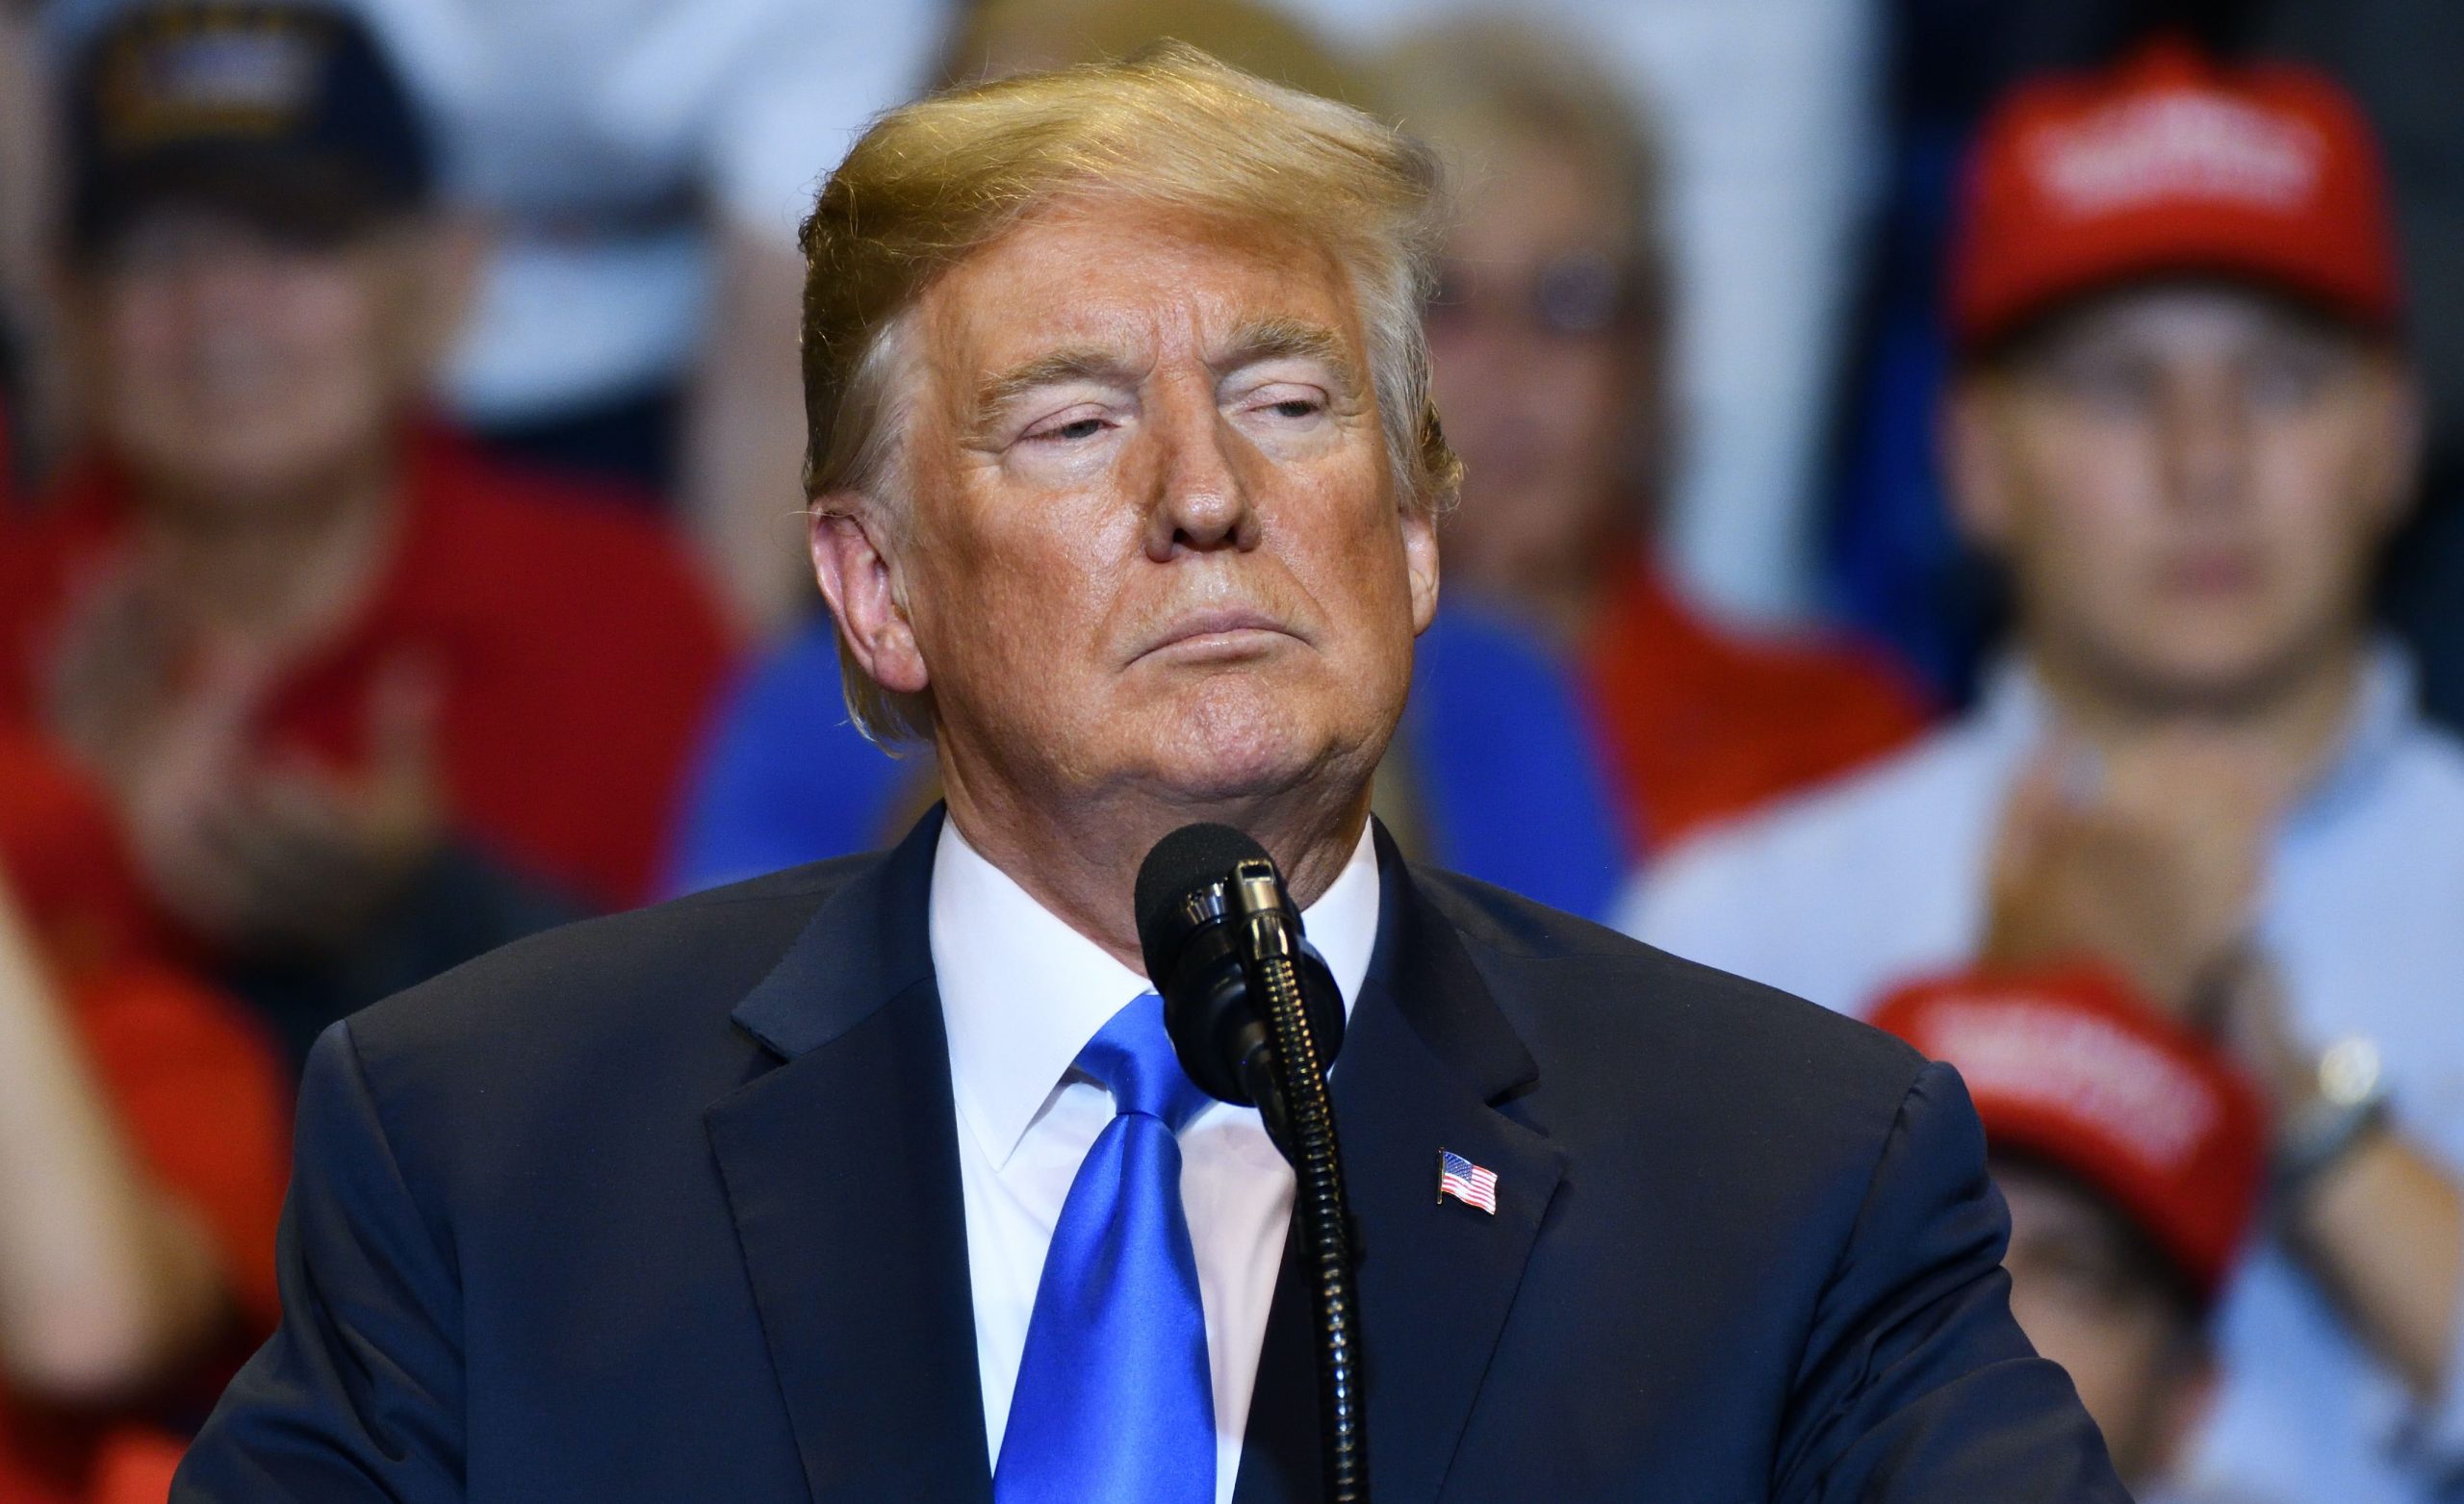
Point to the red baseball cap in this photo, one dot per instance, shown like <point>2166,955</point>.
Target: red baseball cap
<point>2172,163</point>
<point>2067,1065</point>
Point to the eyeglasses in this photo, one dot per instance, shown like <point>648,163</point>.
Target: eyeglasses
<point>1579,295</point>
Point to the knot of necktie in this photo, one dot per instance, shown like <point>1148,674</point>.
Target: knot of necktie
<point>1132,1056</point>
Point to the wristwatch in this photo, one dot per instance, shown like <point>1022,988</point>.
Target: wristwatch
<point>2349,1105</point>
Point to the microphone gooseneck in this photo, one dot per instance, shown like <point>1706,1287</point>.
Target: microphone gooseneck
<point>1199,932</point>
<point>1256,1017</point>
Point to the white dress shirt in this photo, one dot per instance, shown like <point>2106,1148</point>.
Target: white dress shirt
<point>1841,893</point>
<point>1023,993</point>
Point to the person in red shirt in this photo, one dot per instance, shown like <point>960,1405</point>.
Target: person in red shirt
<point>367,701</point>
<point>1548,346</point>
<point>144,1146</point>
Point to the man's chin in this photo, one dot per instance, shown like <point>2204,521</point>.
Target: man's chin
<point>2226,678</point>
<point>1217,774</point>
<point>1228,749</point>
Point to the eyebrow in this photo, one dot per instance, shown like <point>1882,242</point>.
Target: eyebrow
<point>1289,339</point>
<point>1063,365</point>
<point>1263,339</point>
<point>998,391</point>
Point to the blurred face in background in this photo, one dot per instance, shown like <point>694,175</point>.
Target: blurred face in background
<point>2092,1296</point>
<point>1545,379</point>
<point>235,370</point>
<point>2190,485</point>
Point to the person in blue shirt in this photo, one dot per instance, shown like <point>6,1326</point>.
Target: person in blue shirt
<point>2186,428</point>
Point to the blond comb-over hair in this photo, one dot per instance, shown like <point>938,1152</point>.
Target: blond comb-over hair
<point>1169,128</point>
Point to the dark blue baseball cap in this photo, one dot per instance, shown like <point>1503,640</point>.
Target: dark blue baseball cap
<point>289,115</point>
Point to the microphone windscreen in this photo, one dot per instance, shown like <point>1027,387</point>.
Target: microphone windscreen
<point>1182,862</point>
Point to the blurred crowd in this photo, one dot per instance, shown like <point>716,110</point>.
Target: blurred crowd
<point>1963,520</point>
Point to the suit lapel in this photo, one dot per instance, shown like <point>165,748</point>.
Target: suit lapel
<point>1426,1058</point>
<point>842,1170</point>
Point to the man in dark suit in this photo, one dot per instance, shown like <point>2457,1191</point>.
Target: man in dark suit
<point>876,1181</point>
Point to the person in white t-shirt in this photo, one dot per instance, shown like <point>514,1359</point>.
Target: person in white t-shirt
<point>2185,426</point>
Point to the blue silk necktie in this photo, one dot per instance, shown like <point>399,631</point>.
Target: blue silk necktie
<point>1114,1404</point>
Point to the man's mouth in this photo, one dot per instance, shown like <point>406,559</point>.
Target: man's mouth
<point>2213,573</point>
<point>1220,632</point>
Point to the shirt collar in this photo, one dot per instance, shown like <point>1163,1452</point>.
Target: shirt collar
<point>2385,708</point>
<point>1022,992</point>
<point>2014,715</point>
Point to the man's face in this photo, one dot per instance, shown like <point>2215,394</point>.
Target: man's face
<point>235,370</point>
<point>2088,1301</point>
<point>2189,485</point>
<point>1155,540</point>
<point>1541,374</point>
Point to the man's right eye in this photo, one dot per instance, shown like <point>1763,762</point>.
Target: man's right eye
<point>1070,432</point>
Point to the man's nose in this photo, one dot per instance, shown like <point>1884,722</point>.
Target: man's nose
<point>1201,500</point>
<point>2206,437</point>
<point>223,298</point>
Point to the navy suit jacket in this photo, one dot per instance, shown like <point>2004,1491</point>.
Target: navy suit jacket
<point>665,1206</point>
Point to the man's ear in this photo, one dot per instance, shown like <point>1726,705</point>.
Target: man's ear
<point>1967,433</point>
<point>859,577</point>
<point>1419,565</point>
<point>2395,455</point>
<point>63,365</point>
<point>446,253</point>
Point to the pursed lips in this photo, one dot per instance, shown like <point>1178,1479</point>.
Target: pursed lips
<point>1228,629</point>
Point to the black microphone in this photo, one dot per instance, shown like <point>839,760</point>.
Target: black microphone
<point>1255,1016</point>
<point>1211,909</point>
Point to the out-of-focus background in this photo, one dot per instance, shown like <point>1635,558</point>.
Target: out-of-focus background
<point>1962,495</point>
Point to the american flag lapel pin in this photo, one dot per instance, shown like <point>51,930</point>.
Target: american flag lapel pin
<point>1466,1182</point>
